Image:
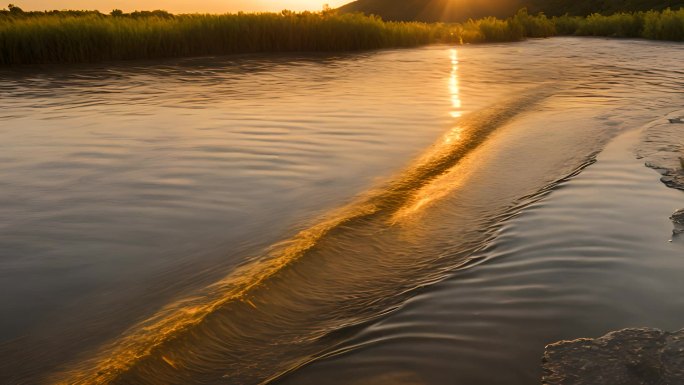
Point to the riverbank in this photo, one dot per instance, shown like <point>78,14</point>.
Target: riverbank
<point>90,36</point>
<point>640,355</point>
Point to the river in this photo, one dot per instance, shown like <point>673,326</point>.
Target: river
<point>393,216</point>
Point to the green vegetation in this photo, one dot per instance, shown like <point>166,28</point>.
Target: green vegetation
<point>89,36</point>
<point>665,25</point>
<point>68,38</point>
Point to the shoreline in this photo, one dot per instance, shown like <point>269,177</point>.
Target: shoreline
<point>632,355</point>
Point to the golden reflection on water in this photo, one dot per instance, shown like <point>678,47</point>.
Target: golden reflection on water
<point>143,339</point>
<point>438,188</point>
<point>454,92</point>
<point>163,338</point>
<point>454,86</point>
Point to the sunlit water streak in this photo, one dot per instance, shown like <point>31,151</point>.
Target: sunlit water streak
<point>140,201</point>
<point>592,257</point>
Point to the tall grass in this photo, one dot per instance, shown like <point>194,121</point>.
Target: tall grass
<point>664,25</point>
<point>50,38</point>
<point>534,26</point>
<point>86,36</point>
<point>90,36</point>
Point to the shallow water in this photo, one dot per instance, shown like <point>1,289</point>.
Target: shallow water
<point>253,210</point>
<point>592,257</point>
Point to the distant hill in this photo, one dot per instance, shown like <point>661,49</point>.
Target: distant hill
<point>460,10</point>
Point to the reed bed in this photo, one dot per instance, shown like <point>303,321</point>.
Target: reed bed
<point>656,25</point>
<point>95,37</point>
<point>84,36</point>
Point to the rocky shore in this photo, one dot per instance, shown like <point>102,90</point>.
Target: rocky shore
<point>678,221</point>
<point>639,356</point>
<point>663,150</point>
<point>627,357</point>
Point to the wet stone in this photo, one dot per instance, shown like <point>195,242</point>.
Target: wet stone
<point>678,220</point>
<point>673,180</point>
<point>627,357</point>
<point>662,149</point>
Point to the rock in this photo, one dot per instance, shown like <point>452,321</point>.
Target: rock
<point>673,180</point>
<point>678,220</point>
<point>662,149</point>
<point>678,217</point>
<point>627,357</point>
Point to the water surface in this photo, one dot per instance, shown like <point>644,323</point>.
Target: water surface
<point>596,255</point>
<point>232,219</point>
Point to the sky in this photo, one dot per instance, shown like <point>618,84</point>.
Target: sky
<point>180,6</point>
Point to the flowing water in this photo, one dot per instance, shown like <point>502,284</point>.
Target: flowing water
<point>251,219</point>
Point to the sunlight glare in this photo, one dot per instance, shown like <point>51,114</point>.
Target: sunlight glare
<point>454,86</point>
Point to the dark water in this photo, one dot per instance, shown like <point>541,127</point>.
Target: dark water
<point>230,220</point>
<point>592,257</point>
